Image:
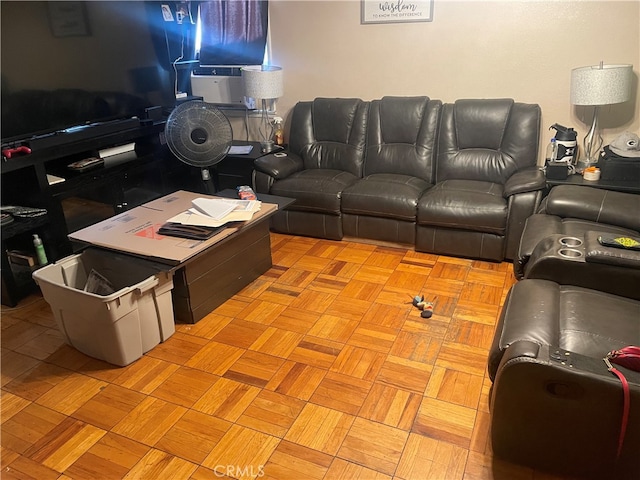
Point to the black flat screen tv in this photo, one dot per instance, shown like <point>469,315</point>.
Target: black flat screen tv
<point>71,64</point>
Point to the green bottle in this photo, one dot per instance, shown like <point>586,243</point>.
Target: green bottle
<point>40,253</point>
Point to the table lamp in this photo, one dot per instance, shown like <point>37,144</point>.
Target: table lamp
<point>596,86</point>
<point>263,82</point>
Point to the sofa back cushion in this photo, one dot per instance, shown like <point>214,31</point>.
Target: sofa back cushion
<point>330,133</point>
<point>487,139</point>
<point>401,136</point>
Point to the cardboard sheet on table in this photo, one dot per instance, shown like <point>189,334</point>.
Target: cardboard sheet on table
<point>136,231</point>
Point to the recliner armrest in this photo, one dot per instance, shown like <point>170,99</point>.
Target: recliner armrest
<point>594,204</point>
<point>597,253</point>
<point>279,167</point>
<point>528,180</point>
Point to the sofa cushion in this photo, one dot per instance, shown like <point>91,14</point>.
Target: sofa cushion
<point>385,195</point>
<point>330,133</point>
<point>487,139</point>
<point>465,205</point>
<point>315,190</point>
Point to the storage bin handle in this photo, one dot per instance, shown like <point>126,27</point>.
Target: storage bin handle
<point>147,285</point>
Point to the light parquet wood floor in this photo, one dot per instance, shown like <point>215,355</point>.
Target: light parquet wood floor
<point>320,369</point>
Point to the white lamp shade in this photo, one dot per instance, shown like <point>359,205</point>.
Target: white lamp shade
<point>262,81</point>
<point>601,85</point>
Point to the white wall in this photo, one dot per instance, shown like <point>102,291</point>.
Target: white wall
<point>472,49</point>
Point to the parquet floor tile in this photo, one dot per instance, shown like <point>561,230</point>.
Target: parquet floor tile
<point>146,374</point>
<point>277,342</point>
<point>320,428</point>
<point>34,383</point>
<point>406,374</point>
<point>180,349</point>
<point>110,457</point>
<point>29,426</point>
<point>297,380</point>
<point>391,406</point>
<point>149,420</point>
<point>185,386</point>
<point>159,464</point>
<point>341,392</point>
<point>445,421</point>
<point>15,364</point>
<point>271,413</point>
<point>70,394</point>
<point>343,470</point>
<point>108,407</point>
<point>291,461</point>
<point>358,362</point>
<point>374,445</point>
<point>332,327</point>
<point>61,447</point>
<point>243,449</point>
<point>320,369</point>
<point>317,352</point>
<point>240,333</point>
<point>227,399</point>
<point>23,467</point>
<point>193,436</point>
<point>254,368</point>
<point>10,405</point>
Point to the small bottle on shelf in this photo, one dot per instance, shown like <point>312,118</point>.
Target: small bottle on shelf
<point>278,131</point>
<point>40,253</point>
<point>550,155</point>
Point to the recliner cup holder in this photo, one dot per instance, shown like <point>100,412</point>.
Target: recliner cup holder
<point>570,253</point>
<point>570,241</point>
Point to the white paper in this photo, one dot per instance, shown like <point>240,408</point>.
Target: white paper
<point>213,207</point>
<point>190,218</point>
<point>240,149</point>
<point>244,213</point>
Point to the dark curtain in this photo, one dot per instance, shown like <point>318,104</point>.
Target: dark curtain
<point>234,32</point>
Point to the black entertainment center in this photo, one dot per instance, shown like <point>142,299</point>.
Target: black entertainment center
<point>87,88</point>
<point>76,199</point>
<point>78,79</point>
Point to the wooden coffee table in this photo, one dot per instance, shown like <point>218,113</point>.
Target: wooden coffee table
<point>205,274</point>
<point>209,279</point>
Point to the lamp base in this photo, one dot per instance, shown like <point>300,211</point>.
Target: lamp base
<point>267,146</point>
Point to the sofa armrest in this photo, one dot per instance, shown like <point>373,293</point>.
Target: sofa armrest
<point>280,166</point>
<point>528,180</point>
<point>595,204</point>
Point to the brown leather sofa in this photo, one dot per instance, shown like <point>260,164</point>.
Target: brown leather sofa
<point>554,405</point>
<point>455,179</point>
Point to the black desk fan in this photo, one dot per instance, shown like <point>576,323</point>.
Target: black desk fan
<point>200,135</point>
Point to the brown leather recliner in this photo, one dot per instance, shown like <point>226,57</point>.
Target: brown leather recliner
<point>554,405</point>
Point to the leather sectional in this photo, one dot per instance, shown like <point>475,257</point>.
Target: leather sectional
<point>554,403</point>
<point>453,179</point>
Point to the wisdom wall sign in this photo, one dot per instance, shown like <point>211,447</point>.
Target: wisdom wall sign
<point>396,11</point>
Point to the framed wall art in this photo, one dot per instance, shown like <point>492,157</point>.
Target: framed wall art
<point>396,11</point>
<point>68,19</point>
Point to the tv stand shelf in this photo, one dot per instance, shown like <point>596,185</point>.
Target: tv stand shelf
<point>83,198</point>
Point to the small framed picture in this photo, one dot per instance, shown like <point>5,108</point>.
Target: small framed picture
<point>68,19</point>
<point>396,11</point>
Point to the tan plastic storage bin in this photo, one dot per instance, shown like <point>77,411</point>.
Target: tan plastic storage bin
<point>117,328</point>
